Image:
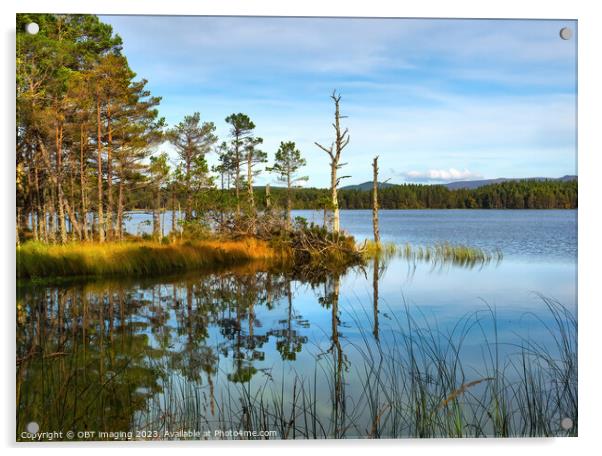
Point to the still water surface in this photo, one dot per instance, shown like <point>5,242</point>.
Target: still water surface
<point>194,351</point>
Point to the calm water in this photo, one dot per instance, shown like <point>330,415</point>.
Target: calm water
<point>244,348</point>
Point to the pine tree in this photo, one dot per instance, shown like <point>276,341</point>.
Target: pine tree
<point>193,140</point>
<point>241,134</point>
<point>287,163</point>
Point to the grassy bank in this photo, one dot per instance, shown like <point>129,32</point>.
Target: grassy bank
<point>136,258</point>
<point>307,249</point>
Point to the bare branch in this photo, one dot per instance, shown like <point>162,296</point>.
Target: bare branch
<point>345,142</point>
<point>327,150</point>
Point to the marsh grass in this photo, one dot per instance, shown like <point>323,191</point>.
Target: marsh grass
<point>136,258</point>
<point>414,383</point>
<point>438,254</point>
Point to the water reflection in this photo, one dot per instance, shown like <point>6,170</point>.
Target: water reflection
<point>255,349</point>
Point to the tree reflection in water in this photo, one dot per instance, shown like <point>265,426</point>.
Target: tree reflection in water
<point>232,351</point>
<point>92,357</point>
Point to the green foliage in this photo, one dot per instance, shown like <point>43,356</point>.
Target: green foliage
<point>159,169</point>
<point>241,126</point>
<point>523,194</point>
<point>193,140</point>
<point>526,194</point>
<point>287,162</point>
<point>242,151</point>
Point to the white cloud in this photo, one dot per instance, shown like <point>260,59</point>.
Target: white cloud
<point>441,175</point>
<point>493,96</point>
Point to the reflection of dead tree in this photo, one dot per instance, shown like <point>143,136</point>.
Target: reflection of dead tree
<point>331,300</point>
<point>337,350</point>
<point>375,293</point>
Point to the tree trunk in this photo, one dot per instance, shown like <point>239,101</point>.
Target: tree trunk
<point>17,227</point>
<point>31,209</point>
<point>237,181</point>
<point>120,210</point>
<point>82,183</point>
<point>250,184</point>
<point>179,212</point>
<point>334,200</point>
<point>109,214</point>
<point>289,204</point>
<point>74,234</point>
<point>71,214</point>
<point>334,152</point>
<point>156,218</point>
<point>375,202</point>
<point>173,213</point>
<point>268,198</point>
<point>100,223</point>
<point>41,215</point>
<point>59,178</point>
<point>51,215</point>
<point>188,215</point>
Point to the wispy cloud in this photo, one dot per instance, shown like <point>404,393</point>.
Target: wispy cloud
<point>441,175</point>
<point>438,95</point>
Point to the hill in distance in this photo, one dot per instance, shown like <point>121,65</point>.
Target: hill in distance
<point>480,183</point>
<point>367,186</point>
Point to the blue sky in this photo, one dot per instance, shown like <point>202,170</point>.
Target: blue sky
<point>437,100</point>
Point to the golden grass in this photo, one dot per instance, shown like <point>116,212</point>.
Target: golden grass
<point>136,258</point>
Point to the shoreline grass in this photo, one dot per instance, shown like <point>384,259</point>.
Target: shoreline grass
<point>137,258</point>
<point>439,253</point>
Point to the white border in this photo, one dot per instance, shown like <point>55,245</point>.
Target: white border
<point>590,168</point>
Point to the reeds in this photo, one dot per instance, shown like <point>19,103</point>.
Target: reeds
<point>136,258</point>
<point>439,253</point>
<point>413,383</point>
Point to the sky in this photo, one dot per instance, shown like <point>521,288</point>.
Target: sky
<point>437,100</point>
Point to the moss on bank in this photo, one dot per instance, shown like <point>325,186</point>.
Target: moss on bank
<point>137,258</point>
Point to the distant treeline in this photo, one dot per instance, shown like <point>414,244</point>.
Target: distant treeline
<point>525,194</point>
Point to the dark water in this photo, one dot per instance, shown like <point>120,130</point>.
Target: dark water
<point>315,355</point>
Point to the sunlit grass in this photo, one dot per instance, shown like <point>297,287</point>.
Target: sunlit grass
<point>135,258</point>
<point>440,253</point>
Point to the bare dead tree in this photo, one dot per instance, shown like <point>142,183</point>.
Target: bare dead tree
<point>268,198</point>
<point>334,152</point>
<point>375,201</point>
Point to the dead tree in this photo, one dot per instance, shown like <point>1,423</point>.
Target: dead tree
<point>375,201</point>
<point>334,152</point>
<point>268,198</point>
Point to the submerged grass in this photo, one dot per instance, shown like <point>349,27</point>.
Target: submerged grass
<point>440,253</point>
<point>136,258</point>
